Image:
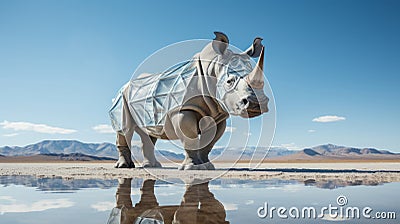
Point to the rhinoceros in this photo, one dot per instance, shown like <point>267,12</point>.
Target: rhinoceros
<point>190,102</point>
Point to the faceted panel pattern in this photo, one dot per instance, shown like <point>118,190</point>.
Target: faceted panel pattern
<point>116,111</point>
<point>152,96</point>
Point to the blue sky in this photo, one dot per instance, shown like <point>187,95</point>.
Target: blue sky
<point>61,62</point>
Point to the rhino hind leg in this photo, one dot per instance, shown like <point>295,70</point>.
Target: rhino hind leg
<point>148,149</point>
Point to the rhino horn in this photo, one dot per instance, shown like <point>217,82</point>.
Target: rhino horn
<point>256,77</point>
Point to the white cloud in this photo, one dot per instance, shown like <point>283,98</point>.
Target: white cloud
<point>249,202</point>
<point>328,118</point>
<point>37,206</point>
<point>290,146</point>
<point>104,129</point>
<point>103,206</point>
<point>230,206</point>
<point>41,128</point>
<point>11,134</point>
<point>311,130</point>
<point>230,129</point>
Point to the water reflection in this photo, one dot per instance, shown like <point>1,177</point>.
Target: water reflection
<point>222,200</point>
<point>337,183</point>
<point>198,205</point>
<point>58,184</point>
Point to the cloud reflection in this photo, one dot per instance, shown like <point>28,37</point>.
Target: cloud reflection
<point>12,205</point>
<point>103,206</point>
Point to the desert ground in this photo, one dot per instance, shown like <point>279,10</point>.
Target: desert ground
<point>367,173</point>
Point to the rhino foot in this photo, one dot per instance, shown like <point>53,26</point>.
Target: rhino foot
<point>203,166</point>
<point>122,163</point>
<point>125,159</point>
<point>148,164</point>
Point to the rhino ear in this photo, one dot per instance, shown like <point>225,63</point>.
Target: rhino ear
<point>254,50</point>
<point>220,43</point>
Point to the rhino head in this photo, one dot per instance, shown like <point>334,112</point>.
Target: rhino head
<point>239,85</point>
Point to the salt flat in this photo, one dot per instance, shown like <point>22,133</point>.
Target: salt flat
<point>369,173</point>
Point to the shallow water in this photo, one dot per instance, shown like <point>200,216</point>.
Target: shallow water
<point>27,199</point>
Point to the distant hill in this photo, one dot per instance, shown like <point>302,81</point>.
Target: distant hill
<point>335,152</point>
<point>331,149</point>
<point>233,153</point>
<point>76,150</point>
<point>62,147</point>
<point>54,157</point>
<point>72,150</point>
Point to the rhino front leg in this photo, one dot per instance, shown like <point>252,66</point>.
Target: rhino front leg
<point>124,212</point>
<point>148,149</point>
<point>204,140</point>
<point>186,128</point>
<point>208,139</point>
<point>125,156</point>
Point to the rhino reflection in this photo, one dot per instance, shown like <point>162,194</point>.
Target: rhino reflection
<point>198,205</point>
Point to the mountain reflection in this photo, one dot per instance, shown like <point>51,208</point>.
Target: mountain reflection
<point>58,184</point>
<point>337,183</point>
<point>198,205</point>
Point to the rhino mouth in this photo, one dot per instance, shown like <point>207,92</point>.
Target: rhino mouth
<point>255,108</point>
<point>251,113</point>
<point>254,111</point>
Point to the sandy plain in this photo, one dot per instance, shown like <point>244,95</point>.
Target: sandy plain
<point>356,173</point>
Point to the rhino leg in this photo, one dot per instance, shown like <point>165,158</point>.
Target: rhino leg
<point>210,210</point>
<point>198,159</point>
<point>193,161</point>
<point>202,161</point>
<point>123,195</point>
<point>124,138</point>
<point>148,149</point>
<point>125,157</point>
<point>218,134</point>
<point>125,212</point>
<point>148,199</point>
<point>185,127</point>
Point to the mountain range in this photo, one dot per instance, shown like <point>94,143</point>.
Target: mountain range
<point>75,150</point>
<point>335,152</point>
